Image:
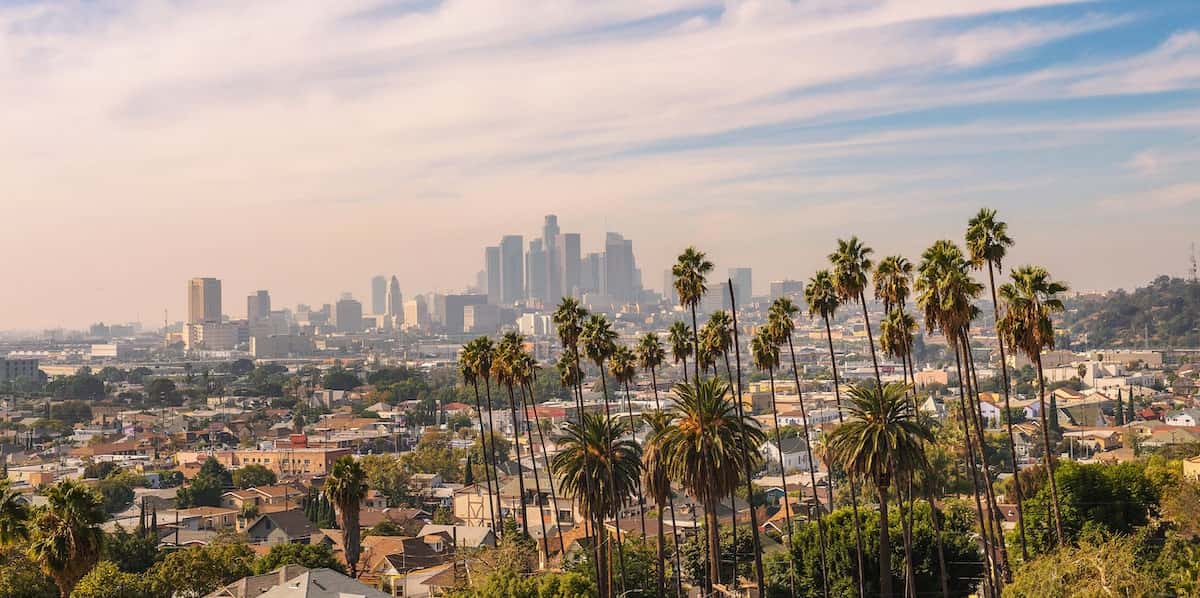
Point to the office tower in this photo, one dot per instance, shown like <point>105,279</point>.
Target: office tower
<point>452,317</point>
<point>792,289</point>
<point>491,268</point>
<point>258,306</point>
<point>742,280</point>
<point>347,315</point>
<point>394,301</point>
<point>379,286</point>
<point>619,268</point>
<point>204,300</point>
<point>416,314</point>
<point>591,273</point>
<point>512,269</point>
<point>535,271</point>
<point>669,293</point>
<point>569,263</point>
<point>553,263</point>
<point>482,318</point>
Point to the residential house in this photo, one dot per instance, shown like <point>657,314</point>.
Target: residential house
<point>1184,417</point>
<point>323,583</point>
<point>255,585</point>
<point>790,453</point>
<point>281,527</point>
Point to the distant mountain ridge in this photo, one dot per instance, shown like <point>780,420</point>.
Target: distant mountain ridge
<point>1164,314</point>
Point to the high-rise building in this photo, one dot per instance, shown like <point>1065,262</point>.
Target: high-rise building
<point>619,268</point>
<point>535,271</point>
<point>348,315</point>
<point>591,274</point>
<point>742,280</point>
<point>553,264</point>
<point>204,300</point>
<point>453,314</point>
<point>669,293</point>
<point>395,302</point>
<point>570,264</point>
<point>379,286</point>
<point>491,269</point>
<point>258,306</point>
<point>512,269</point>
<point>792,289</point>
<point>416,314</point>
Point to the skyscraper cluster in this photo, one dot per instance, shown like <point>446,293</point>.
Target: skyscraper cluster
<point>552,266</point>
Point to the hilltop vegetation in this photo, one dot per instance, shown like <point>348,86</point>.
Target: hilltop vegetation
<point>1167,311</point>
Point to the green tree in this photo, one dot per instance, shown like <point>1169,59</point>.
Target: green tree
<point>345,488</point>
<point>117,495</point>
<point>252,476</point>
<point>14,515</point>
<point>338,378</point>
<point>22,578</point>
<point>131,551</point>
<point>198,570</point>
<point>1094,568</point>
<point>312,556</point>
<point>106,580</point>
<point>66,533</point>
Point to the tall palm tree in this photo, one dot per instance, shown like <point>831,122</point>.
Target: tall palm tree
<point>658,486</point>
<point>851,266</point>
<point>598,341</point>
<point>680,338</point>
<point>987,244</point>
<point>945,295</point>
<point>706,452</point>
<point>892,280</point>
<point>780,326</point>
<point>756,540</point>
<point>480,361</point>
<point>524,369</point>
<point>623,367</point>
<point>468,360</point>
<point>881,441</point>
<point>1029,302</point>
<point>66,533</point>
<point>14,515</point>
<point>504,369</point>
<point>822,297</point>
<point>651,356</point>
<point>764,352</point>
<point>528,368</point>
<point>600,469</point>
<point>344,488</point>
<point>691,271</point>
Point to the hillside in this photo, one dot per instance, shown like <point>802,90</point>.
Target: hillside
<point>1167,311</point>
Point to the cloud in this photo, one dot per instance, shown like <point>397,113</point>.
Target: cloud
<point>1170,196</point>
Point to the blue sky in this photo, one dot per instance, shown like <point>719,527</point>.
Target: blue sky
<point>304,146</point>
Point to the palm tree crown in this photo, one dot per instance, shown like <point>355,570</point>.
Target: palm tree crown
<point>881,436</point>
<point>14,515</point>
<point>987,239</point>
<point>680,338</point>
<point>67,534</point>
<point>851,263</point>
<point>691,272</point>
<point>568,321</point>
<point>892,280</point>
<point>650,352</point>
<point>821,295</point>
<point>598,338</point>
<point>1029,301</point>
<point>592,449</point>
<point>764,350</point>
<point>345,487</point>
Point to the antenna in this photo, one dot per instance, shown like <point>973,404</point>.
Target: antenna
<point>1192,252</point>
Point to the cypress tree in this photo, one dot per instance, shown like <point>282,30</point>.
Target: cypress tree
<point>469,476</point>
<point>1120,419</point>
<point>1129,415</point>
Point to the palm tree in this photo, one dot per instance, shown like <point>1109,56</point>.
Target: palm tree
<point>66,533</point>
<point>719,337</point>
<point>504,369</point>
<point>524,371</point>
<point>623,367</point>
<point>987,244</point>
<point>822,297</point>
<point>468,361</point>
<point>600,469</point>
<point>851,265</point>
<point>1029,302</point>
<point>344,488</point>
<point>480,361</point>
<point>651,355</point>
<point>691,271</point>
<point>881,440</point>
<point>706,452</point>
<point>892,277</point>
<point>780,325</point>
<point>680,338</point>
<point>658,486</point>
<point>764,352</point>
<point>14,515</point>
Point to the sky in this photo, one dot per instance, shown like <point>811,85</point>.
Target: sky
<point>304,146</point>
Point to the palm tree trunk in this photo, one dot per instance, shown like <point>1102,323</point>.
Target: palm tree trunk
<point>662,554</point>
<point>812,467</point>
<point>733,497</point>
<point>620,499</point>
<point>1012,443</point>
<point>670,501</point>
<point>537,483</point>
<point>993,506</point>
<point>487,462</point>
<point>512,403</point>
<point>714,543</point>
<point>633,432</point>
<point>596,546</point>
<point>696,345</point>
<point>973,471</point>
<point>837,395</point>
<point>1049,459</point>
<point>862,298</point>
<point>885,543</point>
<point>604,572</point>
<point>910,582</point>
<point>549,474</point>
<point>787,499</point>
<point>487,385</point>
<point>760,577</point>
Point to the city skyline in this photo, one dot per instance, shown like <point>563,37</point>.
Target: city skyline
<point>309,160</point>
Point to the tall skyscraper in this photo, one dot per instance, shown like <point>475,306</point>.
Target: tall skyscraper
<point>535,271</point>
<point>669,293</point>
<point>619,268</point>
<point>379,286</point>
<point>552,262</point>
<point>453,315</point>
<point>512,269</point>
<point>204,300</point>
<point>742,280</point>
<point>416,314</point>
<point>258,306</point>
<point>395,301</point>
<point>591,273</point>
<point>570,264</point>
<point>792,289</point>
<point>347,315</point>
<point>491,269</point>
